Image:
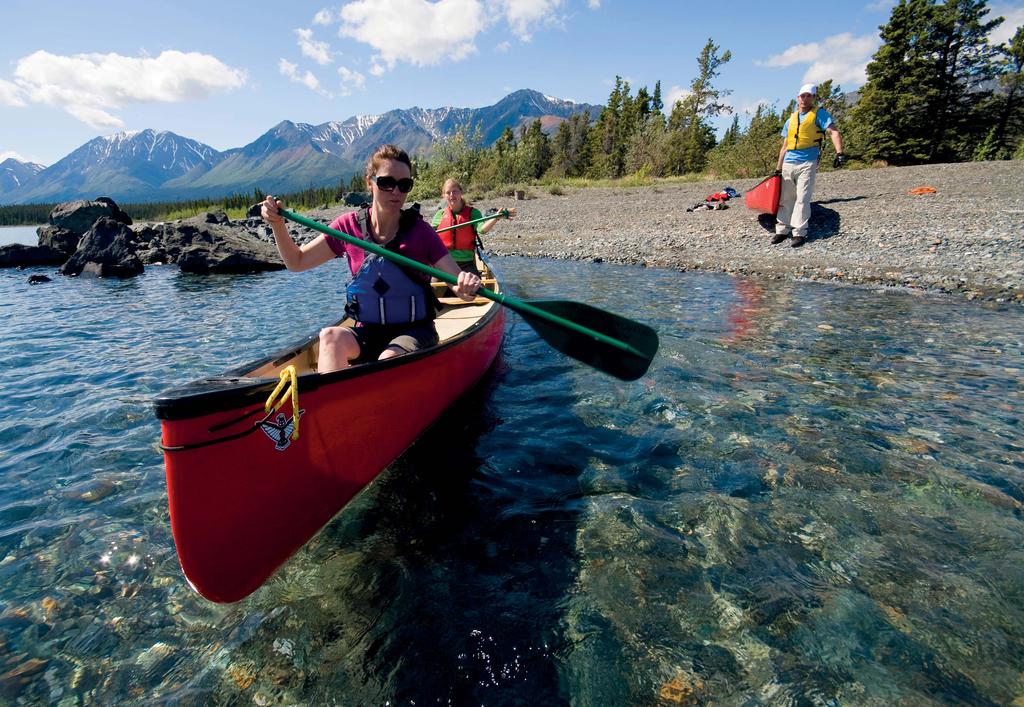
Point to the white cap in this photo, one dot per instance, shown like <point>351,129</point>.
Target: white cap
<point>808,88</point>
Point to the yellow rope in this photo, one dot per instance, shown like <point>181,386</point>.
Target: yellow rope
<point>288,377</point>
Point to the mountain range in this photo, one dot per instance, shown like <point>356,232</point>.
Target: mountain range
<point>161,166</point>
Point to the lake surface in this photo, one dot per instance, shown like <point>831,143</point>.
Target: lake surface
<point>814,497</point>
<point>19,234</point>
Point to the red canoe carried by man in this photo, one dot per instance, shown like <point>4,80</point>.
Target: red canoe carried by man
<point>765,196</point>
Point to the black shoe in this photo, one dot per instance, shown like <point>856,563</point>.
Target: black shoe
<point>779,237</point>
<point>797,242</point>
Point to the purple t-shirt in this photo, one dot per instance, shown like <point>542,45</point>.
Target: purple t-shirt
<point>420,242</point>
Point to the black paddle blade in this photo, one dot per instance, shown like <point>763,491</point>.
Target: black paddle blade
<point>627,365</point>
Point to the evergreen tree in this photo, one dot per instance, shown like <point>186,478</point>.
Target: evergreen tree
<point>533,153</point>
<point>926,83</point>
<point>691,134</point>
<point>656,105</point>
<point>964,63</point>
<point>605,153</point>
<point>569,150</point>
<point>756,150</point>
<point>1009,102</point>
<point>732,133</point>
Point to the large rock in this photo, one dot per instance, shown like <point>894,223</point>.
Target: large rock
<point>60,239</point>
<point>106,250</point>
<point>20,255</point>
<point>208,243</point>
<point>79,216</point>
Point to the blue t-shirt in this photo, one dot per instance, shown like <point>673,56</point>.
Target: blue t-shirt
<point>808,154</point>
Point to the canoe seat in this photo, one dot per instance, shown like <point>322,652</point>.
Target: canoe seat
<point>440,287</point>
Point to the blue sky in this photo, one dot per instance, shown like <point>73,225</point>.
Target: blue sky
<point>224,72</point>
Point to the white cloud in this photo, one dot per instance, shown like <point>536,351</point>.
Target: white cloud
<point>316,50</point>
<point>416,32</point>
<point>11,94</point>
<point>307,79</point>
<point>674,94</point>
<point>502,47</point>
<point>841,57</point>
<point>91,87</point>
<point>1014,18</point>
<point>751,106</point>
<point>11,154</point>
<point>594,4</point>
<point>325,17</point>
<point>350,80</point>
<point>524,15</point>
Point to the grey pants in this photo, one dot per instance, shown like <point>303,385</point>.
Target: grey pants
<point>795,200</point>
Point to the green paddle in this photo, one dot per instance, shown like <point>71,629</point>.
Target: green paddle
<point>500,214</point>
<point>608,342</point>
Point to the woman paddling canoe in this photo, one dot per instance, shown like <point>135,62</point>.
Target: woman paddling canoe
<point>462,240</point>
<point>392,319</point>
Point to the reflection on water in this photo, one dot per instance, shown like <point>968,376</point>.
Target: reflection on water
<point>813,497</point>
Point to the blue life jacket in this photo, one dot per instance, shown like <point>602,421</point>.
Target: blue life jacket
<point>383,292</point>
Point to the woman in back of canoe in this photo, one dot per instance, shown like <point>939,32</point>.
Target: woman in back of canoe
<point>461,242</point>
<point>391,320</point>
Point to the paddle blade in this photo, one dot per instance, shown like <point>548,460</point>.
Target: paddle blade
<point>625,365</point>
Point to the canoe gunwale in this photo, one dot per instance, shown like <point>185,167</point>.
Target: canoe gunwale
<point>233,389</point>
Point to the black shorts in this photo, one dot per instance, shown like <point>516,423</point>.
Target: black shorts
<point>469,266</point>
<point>374,338</point>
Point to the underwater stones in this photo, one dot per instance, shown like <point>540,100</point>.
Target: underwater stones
<point>90,490</point>
<point>24,669</point>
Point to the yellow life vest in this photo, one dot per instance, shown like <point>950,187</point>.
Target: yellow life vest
<point>803,134</point>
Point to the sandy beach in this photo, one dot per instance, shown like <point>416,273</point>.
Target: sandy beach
<point>966,238</point>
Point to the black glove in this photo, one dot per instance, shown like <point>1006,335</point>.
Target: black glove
<point>839,161</point>
<point>777,173</point>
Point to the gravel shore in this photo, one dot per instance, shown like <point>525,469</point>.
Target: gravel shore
<point>966,238</point>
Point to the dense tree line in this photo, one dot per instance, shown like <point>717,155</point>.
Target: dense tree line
<point>936,91</point>
<point>235,205</point>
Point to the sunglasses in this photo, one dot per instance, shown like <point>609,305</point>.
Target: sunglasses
<point>389,183</point>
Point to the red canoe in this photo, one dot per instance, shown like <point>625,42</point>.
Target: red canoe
<point>765,196</point>
<point>244,497</point>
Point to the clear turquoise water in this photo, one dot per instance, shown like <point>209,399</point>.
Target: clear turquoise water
<point>813,497</point>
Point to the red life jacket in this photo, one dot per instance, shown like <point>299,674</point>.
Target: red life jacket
<point>460,238</point>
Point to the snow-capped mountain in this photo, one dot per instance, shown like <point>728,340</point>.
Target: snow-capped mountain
<point>151,166</point>
<point>14,173</point>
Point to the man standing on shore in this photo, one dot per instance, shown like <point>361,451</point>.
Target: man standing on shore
<point>802,136</point>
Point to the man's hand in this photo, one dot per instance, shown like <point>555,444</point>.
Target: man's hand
<point>777,173</point>
<point>839,161</point>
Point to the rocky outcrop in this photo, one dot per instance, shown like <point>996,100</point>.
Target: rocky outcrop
<point>209,243</point>
<point>63,240</point>
<point>106,250</point>
<point>19,255</point>
<point>97,238</point>
<point>79,216</point>
<point>59,239</point>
